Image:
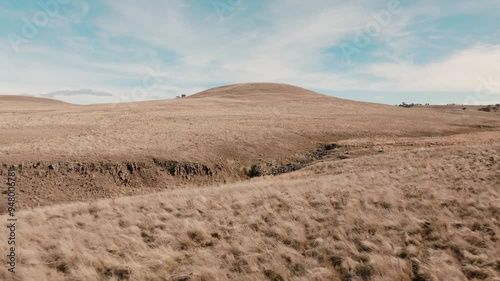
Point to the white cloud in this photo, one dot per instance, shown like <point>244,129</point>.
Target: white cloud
<point>282,43</point>
<point>461,71</point>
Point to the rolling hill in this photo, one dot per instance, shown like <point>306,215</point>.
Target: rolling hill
<point>224,134</point>
<point>251,182</point>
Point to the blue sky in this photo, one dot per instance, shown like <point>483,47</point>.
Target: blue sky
<point>386,51</point>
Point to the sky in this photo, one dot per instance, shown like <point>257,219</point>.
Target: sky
<point>384,51</point>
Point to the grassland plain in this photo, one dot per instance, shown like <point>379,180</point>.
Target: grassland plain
<point>67,152</point>
<point>400,194</point>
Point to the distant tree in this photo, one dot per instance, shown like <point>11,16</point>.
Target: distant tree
<point>404,104</point>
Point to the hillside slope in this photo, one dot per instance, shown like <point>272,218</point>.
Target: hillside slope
<point>233,122</point>
<point>72,153</point>
<point>20,103</point>
<point>425,212</point>
<point>259,92</point>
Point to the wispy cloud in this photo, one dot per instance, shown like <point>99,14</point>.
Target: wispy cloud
<point>109,45</point>
<point>84,92</point>
<point>460,71</point>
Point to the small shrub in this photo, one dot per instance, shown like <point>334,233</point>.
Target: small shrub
<point>254,172</point>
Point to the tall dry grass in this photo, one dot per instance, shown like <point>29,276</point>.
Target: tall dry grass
<point>431,214</point>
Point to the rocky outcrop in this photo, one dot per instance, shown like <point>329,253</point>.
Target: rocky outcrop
<point>267,168</point>
<point>44,183</point>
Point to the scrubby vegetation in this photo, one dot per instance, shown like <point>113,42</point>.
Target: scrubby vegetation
<point>491,108</point>
<point>404,104</point>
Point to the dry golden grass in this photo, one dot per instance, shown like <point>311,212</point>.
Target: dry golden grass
<point>407,194</point>
<point>409,214</point>
<point>227,129</point>
<point>241,122</point>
